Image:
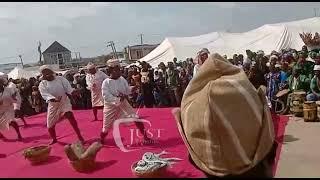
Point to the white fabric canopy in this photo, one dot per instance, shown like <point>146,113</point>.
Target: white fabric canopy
<point>18,73</point>
<point>268,37</point>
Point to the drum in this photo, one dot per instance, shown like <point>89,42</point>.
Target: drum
<point>318,110</point>
<point>296,106</point>
<point>310,111</point>
<point>282,93</point>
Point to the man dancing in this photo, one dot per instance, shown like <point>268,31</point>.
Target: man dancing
<point>115,91</point>
<point>56,91</point>
<point>17,105</point>
<point>7,98</point>
<point>94,80</point>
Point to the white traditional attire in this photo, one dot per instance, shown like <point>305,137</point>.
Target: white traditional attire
<point>113,107</point>
<point>56,89</point>
<point>16,105</point>
<point>94,82</point>
<point>6,108</point>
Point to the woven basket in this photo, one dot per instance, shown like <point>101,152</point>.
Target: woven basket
<point>153,174</point>
<point>38,154</point>
<point>84,165</point>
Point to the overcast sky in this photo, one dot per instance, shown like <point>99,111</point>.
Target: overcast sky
<point>86,27</point>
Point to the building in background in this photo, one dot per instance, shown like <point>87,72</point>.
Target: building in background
<point>57,54</point>
<point>133,53</point>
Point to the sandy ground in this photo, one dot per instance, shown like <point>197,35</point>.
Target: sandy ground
<point>300,154</point>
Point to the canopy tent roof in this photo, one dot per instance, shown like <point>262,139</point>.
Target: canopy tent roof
<point>18,73</point>
<point>268,37</point>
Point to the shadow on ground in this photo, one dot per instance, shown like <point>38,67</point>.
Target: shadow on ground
<point>289,138</point>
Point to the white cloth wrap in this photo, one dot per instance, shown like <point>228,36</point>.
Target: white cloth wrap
<point>58,88</point>
<point>94,82</point>
<point>17,104</point>
<point>6,108</point>
<point>56,111</point>
<point>113,107</point>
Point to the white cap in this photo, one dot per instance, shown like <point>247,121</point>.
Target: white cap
<point>3,76</point>
<point>277,65</point>
<point>90,65</point>
<point>113,62</point>
<point>43,67</point>
<point>316,68</point>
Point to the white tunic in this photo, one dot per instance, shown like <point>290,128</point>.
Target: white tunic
<point>113,107</point>
<point>94,82</point>
<point>16,105</point>
<point>54,90</point>
<point>6,108</point>
<point>112,88</point>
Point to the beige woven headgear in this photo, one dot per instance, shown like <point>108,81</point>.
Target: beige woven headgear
<point>225,122</point>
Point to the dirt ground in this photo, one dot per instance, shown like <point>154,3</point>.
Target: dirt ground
<point>300,154</point>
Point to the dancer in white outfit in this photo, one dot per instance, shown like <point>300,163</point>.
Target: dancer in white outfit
<point>7,98</point>
<point>17,105</point>
<point>115,91</point>
<point>94,80</point>
<point>56,90</point>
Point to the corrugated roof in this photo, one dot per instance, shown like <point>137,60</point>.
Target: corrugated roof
<point>56,47</point>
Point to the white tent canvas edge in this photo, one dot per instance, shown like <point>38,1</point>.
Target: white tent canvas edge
<point>268,37</point>
<point>18,73</point>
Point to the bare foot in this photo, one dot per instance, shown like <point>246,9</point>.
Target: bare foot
<point>53,141</point>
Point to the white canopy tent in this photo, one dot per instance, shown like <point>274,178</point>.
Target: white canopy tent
<point>268,37</point>
<point>18,73</point>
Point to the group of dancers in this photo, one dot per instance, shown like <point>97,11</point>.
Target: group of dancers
<point>109,93</point>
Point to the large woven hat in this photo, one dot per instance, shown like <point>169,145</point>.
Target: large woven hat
<point>219,107</point>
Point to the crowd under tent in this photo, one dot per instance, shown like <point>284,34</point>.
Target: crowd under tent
<point>268,37</point>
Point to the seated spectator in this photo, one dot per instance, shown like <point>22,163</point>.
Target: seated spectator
<point>297,81</point>
<point>305,66</point>
<point>314,85</point>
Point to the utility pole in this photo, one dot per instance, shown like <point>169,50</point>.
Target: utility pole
<point>111,43</point>
<point>40,53</point>
<point>20,56</point>
<point>141,41</point>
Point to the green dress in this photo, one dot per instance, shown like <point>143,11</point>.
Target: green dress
<point>302,83</point>
<point>314,86</point>
<point>306,68</point>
